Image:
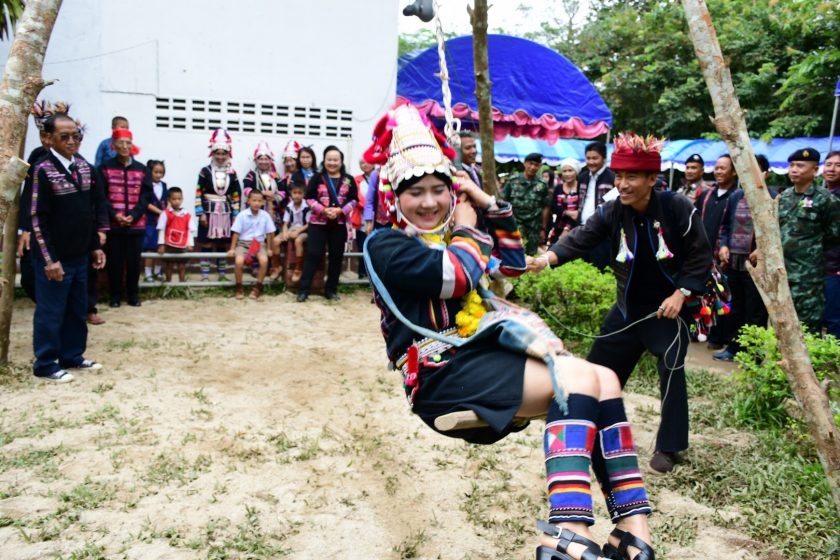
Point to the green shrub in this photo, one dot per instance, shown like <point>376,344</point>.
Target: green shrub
<point>573,298</point>
<point>763,391</point>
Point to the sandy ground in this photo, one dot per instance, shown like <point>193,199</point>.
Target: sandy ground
<point>228,429</point>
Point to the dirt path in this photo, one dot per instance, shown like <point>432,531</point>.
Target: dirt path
<point>226,429</point>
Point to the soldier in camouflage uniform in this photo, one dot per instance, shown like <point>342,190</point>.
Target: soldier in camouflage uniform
<point>531,199</point>
<point>809,218</point>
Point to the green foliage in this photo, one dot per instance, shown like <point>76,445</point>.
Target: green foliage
<point>419,40</point>
<point>573,298</point>
<point>763,393</point>
<point>783,57</point>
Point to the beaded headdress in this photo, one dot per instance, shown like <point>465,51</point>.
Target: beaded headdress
<point>291,150</point>
<point>406,145</point>
<point>263,149</point>
<point>221,140</point>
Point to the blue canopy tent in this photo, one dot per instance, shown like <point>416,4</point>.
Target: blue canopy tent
<point>536,92</point>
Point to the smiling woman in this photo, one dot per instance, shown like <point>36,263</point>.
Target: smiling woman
<point>461,349</point>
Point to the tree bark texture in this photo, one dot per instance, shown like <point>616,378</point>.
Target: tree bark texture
<point>769,274</point>
<point>478,18</point>
<point>22,82</point>
<point>7,282</point>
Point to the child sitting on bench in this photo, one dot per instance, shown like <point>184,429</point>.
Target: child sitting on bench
<point>251,233</point>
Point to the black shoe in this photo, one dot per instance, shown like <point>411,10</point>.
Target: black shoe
<point>114,304</point>
<point>663,462</point>
<point>134,303</point>
<point>302,296</point>
<point>332,296</point>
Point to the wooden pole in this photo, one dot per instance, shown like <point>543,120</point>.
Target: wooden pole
<point>769,274</point>
<point>478,18</point>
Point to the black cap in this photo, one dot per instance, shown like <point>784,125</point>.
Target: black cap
<point>695,158</point>
<point>805,154</point>
<point>535,156</point>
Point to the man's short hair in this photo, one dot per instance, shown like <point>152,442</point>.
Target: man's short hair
<point>49,123</point>
<point>174,190</point>
<point>832,154</point>
<point>297,185</point>
<point>255,191</point>
<point>763,162</point>
<point>596,146</point>
<point>117,119</point>
<point>466,134</point>
<point>535,157</point>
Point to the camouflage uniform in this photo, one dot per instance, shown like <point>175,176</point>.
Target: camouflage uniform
<point>529,199</point>
<point>806,221</point>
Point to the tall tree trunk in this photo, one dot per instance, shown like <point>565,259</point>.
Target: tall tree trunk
<point>7,282</point>
<point>478,18</point>
<point>770,275</point>
<point>21,84</point>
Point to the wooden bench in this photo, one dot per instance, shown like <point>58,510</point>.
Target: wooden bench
<point>467,420</point>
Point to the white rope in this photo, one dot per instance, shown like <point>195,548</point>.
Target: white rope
<point>453,125</point>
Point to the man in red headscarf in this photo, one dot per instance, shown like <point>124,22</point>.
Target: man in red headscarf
<point>660,255</point>
<point>128,189</point>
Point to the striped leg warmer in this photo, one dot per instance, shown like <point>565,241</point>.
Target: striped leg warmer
<point>616,463</point>
<point>568,443</point>
<point>204,267</point>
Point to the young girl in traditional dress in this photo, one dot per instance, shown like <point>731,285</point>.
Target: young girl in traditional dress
<point>217,201</point>
<point>157,205</point>
<point>461,349</point>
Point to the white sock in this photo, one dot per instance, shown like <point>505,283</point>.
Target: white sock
<point>148,271</point>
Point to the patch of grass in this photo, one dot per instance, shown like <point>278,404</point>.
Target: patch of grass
<point>15,375</point>
<point>175,468</point>
<point>88,495</point>
<point>104,413</point>
<point>412,545</point>
<point>247,541</point>
<point>102,388</point>
<point>201,396</point>
<point>783,497</point>
<point>40,460</point>
<point>127,344</point>
<point>90,551</point>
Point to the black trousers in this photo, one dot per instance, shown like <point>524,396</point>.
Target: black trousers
<point>123,263</point>
<point>621,352</point>
<point>331,237</point>
<point>747,307</point>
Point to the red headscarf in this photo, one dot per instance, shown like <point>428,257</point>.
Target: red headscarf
<point>124,133</point>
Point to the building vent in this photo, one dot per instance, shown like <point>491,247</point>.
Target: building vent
<point>257,118</point>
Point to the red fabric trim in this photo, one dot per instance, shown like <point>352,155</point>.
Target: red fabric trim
<point>520,123</point>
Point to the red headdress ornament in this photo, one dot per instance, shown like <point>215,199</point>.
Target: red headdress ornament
<point>636,153</point>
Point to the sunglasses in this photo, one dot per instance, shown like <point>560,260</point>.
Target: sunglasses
<point>66,136</point>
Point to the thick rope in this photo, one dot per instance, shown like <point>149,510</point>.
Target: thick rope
<point>453,125</point>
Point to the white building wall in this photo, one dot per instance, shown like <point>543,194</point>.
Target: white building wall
<point>124,56</point>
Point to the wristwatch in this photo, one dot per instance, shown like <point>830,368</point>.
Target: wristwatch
<point>685,292</point>
<point>491,203</point>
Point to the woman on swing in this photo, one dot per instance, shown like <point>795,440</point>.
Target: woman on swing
<point>501,364</point>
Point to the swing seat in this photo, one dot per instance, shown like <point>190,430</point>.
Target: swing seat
<point>467,419</point>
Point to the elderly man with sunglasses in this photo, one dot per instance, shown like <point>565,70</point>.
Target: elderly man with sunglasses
<point>63,211</point>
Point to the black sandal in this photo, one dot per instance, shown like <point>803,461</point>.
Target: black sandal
<point>628,539</point>
<point>566,537</point>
